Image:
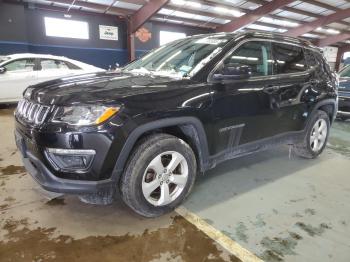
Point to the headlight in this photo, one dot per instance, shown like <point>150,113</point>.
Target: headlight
<point>83,115</point>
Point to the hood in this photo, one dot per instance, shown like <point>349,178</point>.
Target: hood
<point>98,88</point>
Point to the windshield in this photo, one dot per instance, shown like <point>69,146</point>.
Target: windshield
<point>180,58</point>
<point>345,72</point>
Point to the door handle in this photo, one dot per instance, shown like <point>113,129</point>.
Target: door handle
<point>271,89</point>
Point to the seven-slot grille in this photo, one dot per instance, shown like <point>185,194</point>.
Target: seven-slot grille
<point>32,112</point>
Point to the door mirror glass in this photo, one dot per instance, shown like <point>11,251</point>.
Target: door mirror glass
<point>233,72</point>
<point>2,70</point>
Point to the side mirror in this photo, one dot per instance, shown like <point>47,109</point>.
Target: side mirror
<point>233,72</point>
<point>2,70</point>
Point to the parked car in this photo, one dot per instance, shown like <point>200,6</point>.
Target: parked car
<point>150,129</point>
<point>18,71</point>
<point>344,94</point>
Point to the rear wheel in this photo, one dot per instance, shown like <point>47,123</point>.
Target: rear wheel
<point>159,175</point>
<point>316,136</point>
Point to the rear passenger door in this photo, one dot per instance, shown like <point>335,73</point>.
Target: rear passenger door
<point>294,76</point>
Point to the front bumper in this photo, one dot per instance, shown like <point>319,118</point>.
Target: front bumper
<point>47,180</point>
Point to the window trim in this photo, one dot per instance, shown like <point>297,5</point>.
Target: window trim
<point>24,58</point>
<point>254,78</point>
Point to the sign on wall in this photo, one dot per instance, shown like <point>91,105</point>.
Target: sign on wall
<point>143,34</point>
<point>108,32</point>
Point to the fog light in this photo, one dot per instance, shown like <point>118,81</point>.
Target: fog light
<point>70,159</point>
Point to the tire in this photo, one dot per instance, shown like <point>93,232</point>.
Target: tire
<point>144,168</point>
<point>308,147</point>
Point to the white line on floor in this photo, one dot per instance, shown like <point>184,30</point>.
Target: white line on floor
<point>223,240</point>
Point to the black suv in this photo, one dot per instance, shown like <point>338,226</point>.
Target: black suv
<point>149,129</point>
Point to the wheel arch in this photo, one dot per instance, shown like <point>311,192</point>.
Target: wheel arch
<point>329,106</point>
<point>190,129</point>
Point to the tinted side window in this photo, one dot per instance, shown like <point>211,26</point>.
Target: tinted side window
<point>288,59</point>
<point>256,55</point>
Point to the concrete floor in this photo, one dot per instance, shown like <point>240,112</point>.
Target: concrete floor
<point>280,208</point>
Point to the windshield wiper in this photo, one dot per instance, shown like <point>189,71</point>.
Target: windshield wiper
<point>141,70</point>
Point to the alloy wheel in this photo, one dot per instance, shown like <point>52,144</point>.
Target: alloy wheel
<point>318,135</point>
<point>165,178</point>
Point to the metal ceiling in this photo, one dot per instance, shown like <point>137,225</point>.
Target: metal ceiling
<point>214,14</point>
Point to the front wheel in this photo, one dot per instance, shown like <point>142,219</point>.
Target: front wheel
<point>316,136</point>
<point>159,175</point>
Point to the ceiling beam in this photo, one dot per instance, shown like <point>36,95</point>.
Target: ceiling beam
<point>252,16</point>
<point>188,9</point>
<point>274,16</point>
<point>145,13</point>
<point>306,13</point>
<point>187,21</point>
<point>333,39</point>
<point>324,20</point>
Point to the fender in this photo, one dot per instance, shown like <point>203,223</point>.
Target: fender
<point>202,145</point>
<point>331,101</point>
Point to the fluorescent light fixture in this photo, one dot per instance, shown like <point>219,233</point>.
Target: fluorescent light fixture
<point>236,13</point>
<point>193,4</point>
<point>332,31</point>
<point>278,22</point>
<point>178,2</point>
<point>58,27</point>
<point>220,9</point>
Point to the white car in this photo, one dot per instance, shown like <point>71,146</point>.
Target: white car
<point>18,71</point>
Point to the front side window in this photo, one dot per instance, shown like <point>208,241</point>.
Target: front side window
<point>50,64</point>
<point>180,58</point>
<point>256,55</point>
<point>21,65</point>
<point>288,59</point>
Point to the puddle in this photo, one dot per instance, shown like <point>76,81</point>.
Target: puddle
<point>56,202</point>
<point>6,111</point>
<point>181,240</point>
<point>12,170</point>
<point>278,247</point>
<point>311,230</point>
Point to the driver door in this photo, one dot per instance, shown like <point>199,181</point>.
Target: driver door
<point>18,76</point>
<point>245,109</point>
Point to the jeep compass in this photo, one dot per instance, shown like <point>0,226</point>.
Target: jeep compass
<point>146,131</point>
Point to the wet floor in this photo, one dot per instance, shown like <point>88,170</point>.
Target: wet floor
<point>278,207</point>
<point>36,226</point>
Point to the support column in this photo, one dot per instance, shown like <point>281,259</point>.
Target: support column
<point>130,42</point>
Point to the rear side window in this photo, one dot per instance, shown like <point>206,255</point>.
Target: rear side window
<point>288,59</point>
<point>72,66</point>
<point>50,64</point>
<point>256,55</point>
